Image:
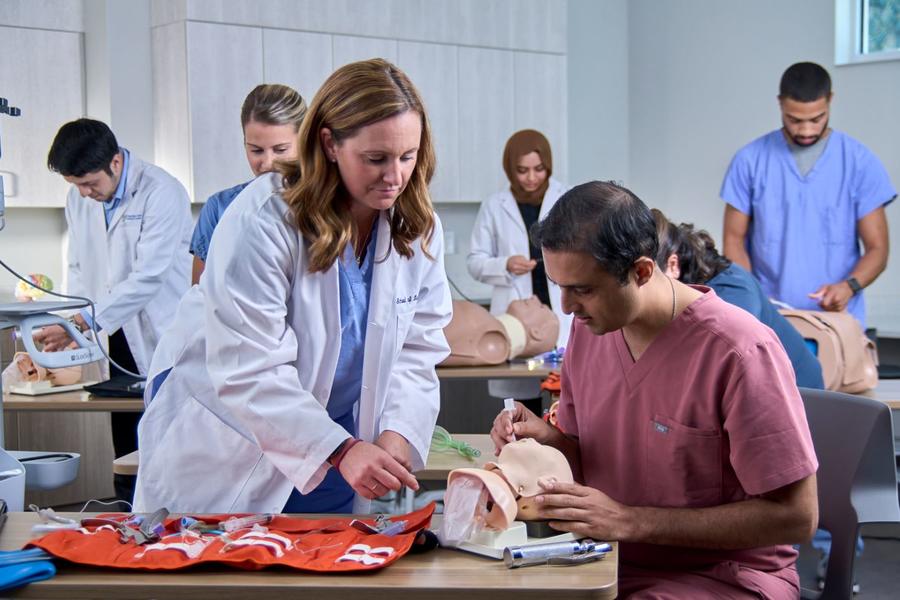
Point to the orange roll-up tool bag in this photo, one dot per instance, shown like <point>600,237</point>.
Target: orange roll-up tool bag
<point>321,545</point>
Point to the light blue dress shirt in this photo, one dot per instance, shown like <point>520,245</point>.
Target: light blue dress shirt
<point>803,228</point>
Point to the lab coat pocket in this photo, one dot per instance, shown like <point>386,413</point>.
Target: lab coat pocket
<point>683,464</point>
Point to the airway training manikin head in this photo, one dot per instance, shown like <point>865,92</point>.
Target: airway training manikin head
<point>805,100</point>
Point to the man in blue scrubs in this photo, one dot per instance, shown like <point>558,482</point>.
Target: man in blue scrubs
<point>801,198</point>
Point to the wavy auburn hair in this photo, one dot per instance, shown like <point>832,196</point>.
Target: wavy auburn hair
<point>354,96</point>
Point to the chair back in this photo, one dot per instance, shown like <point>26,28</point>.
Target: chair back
<point>857,478</point>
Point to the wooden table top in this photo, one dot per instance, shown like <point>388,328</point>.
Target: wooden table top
<point>440,575</point>
<point>505,371</point>
<point>888,391</point>
<point>77,400</point>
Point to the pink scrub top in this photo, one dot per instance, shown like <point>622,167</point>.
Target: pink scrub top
<point>710,414</point>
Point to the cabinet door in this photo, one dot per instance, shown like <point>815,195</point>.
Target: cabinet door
<point>433,69</point>
<point>171,118</point>
<point>225,62</point>
<point>298,59</point>
<point>348,49</point>
<point>541,102</point>
<point>485,120</point>
<point>42,75</point>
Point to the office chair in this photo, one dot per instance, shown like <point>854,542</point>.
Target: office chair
<point>857,478</point>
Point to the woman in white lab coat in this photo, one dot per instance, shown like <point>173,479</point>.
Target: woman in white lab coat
<point>500,252</point>
<point>306,381</point>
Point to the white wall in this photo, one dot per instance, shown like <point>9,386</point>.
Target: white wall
<point>702,81</point>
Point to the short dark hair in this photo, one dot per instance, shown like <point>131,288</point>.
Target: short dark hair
<point>604,220</point>
<point>805,82</point>
<point>82,146</point>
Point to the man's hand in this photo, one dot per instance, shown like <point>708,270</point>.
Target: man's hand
<point>372,472</point>
<point>53,338</point>
<point>522,423</point>
<point>519,265</point>
<point>833,297</point>
<point>584,511</point>
<point>397,446</point>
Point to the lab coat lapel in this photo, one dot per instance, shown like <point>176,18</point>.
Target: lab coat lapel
<point>132,184</point>
<point>381,311</point>
<point>509,205</point>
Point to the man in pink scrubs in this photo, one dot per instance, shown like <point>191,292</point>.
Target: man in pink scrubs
<point>682,419</point>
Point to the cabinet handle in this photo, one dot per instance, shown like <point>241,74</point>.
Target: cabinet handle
<point>10,189</point>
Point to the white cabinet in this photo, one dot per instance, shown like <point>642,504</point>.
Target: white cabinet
<point>485,120</point>
<point>202,73</point>
<point>299,59</point>
<point>348,49</point>
<point>540,102</point>
<point>432,69</point>
<point>42,75</point>
<point>224,63</point>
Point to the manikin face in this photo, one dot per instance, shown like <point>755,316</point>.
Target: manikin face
<point>99,185</point>
<point>376,163</point>
<point>595,297</point>
<point>805,122</point>
<point>265,143</point>
<point>530,172</point>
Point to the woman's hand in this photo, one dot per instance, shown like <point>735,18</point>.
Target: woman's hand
<point>372,472</point>
<point>519,265</point>
<point>396,445</point>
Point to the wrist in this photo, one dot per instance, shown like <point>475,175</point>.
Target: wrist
<point>855,286</point>
<point>340,452</point>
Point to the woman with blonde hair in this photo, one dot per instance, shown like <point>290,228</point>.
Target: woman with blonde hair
<point>270,119</point>
<point>307,380</point>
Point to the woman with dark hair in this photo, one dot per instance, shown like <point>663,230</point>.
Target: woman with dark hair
<point>306,376</point>
<point>501,254</point>
<point>690,256</point>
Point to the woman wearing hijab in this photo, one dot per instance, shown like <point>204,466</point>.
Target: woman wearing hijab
<point>501,254</point>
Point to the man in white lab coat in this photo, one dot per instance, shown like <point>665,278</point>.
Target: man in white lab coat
<point>129,225</point>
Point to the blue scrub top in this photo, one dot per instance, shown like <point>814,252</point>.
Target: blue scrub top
<point>803,229</point>
<point>210,216</point>
<point>334,495</point>
<point>736,286</point>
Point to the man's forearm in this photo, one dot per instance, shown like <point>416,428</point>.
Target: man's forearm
<point>736,252</point>
<point>751,523</point>
<point>870,266</point>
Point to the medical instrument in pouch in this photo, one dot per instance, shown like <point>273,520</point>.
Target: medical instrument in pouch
<point>236,523</point>
<point>557,553</point>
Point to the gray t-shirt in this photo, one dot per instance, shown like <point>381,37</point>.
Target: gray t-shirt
<point>806,156</point>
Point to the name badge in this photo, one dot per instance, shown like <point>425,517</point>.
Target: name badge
<point>659,427</point>
<point>406,299</point>
<point>132,218</point>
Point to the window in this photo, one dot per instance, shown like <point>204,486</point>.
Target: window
<point>880,26</point>
<point>866,31</point>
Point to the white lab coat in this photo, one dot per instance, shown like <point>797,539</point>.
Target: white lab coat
<point>499,233</point>
<point>240,420</point>
<point>137,269</point>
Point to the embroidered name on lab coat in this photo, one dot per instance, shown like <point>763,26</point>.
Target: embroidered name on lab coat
<point>133,217</point>
<point>406,299</point>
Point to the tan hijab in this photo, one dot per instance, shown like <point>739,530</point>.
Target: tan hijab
<point>522,143</point>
